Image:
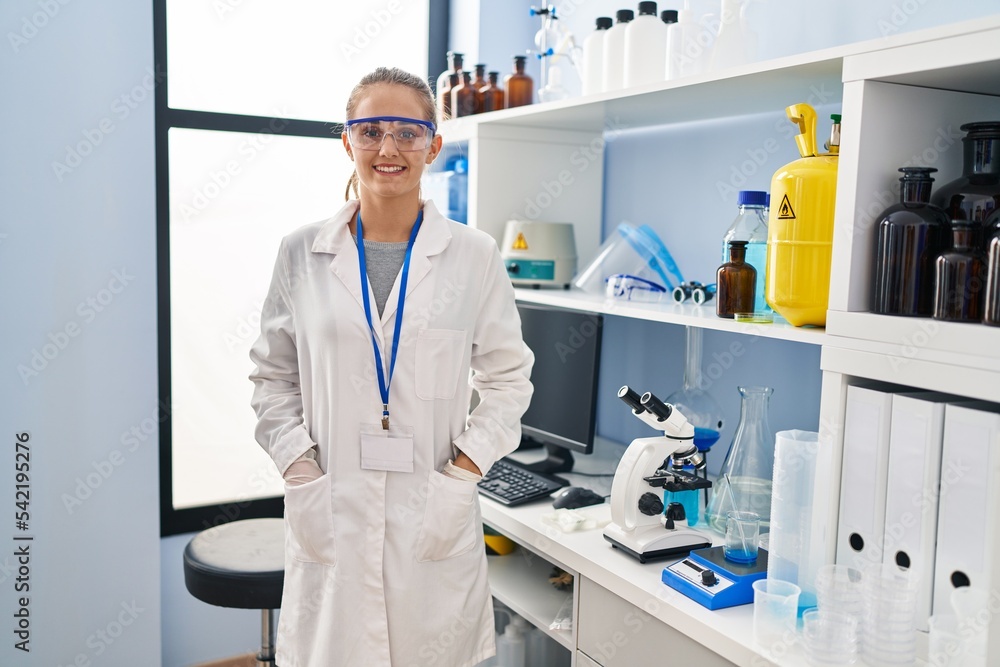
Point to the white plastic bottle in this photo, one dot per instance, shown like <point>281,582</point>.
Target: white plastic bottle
<point>553,89</point>
<point>511,645</point>
<point>613,74</point>
<point>685,53</point>
<point>593,57</point>
<point>731,46</point>
<point>645,47</point>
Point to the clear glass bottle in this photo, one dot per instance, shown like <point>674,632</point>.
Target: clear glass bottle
<point>977,192</point>
<point>478,83</point>
<point>463,97</point>
<point>520,88</point>
<point>701,409</point>
<point>960,275</point>
<point>751,226</point>
<point>991,300</point>
<point>493,93</point>
<point>910,236</point>
<point>445,84</point>
<point>735,283</point>
<point>745,478</point>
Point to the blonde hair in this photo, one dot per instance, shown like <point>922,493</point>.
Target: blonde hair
<point>390,76</point>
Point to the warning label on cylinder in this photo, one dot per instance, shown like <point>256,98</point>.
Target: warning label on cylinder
<point>785,211</point>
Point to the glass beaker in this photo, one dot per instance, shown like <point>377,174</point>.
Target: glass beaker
<point>744,483</point>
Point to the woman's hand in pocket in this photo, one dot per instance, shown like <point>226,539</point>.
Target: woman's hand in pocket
<point>301,471</point>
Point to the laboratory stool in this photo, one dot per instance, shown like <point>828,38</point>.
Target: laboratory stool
<point>240,565</point>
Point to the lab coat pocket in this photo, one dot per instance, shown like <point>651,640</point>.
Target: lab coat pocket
<point>309,517</point>
<point>449,526</point>
<point>439,362</point>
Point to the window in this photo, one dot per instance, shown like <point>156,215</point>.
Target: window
<point>246,152</point>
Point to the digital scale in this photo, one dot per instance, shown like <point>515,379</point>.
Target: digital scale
<point>709,579</point>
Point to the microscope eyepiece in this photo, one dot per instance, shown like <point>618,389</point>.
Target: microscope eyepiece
<point>631,398</point>
<point>655,405</point>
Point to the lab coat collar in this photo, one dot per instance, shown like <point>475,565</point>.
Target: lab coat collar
<point>334,238</point>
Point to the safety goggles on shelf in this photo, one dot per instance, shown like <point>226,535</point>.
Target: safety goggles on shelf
<point>410,134</point>
<point>633,288</point>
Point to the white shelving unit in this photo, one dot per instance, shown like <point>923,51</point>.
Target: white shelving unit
<point>521,581</point>
<point>903,100</point>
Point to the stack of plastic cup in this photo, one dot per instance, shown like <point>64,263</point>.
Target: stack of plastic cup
<point>888,626</point>
<point>830,637</point>
<point>839,589</point>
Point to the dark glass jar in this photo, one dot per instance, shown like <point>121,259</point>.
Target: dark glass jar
<point>478,83</point>
<point>991,300</point>
<point>493,93</point>
<point>960,275</point>
<point>735,283</point>
<point>445,83</point>
<point>520,88</point>
<point>463,97</point>
<point>910,236</point>
<point>973,196</point>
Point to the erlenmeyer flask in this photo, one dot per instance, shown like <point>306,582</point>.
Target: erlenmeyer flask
<point>699,406</point>
<point>745,478</point>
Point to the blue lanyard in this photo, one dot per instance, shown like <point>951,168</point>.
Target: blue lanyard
<point>383,386</point>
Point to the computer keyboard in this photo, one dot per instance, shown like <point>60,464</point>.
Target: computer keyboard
<point>511,484</point>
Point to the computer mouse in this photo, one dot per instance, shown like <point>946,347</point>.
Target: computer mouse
<point>573,497</point>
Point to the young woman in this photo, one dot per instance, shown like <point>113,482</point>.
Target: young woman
<point>372,323</point>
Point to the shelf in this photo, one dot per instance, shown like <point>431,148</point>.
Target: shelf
<point>521,581</point>
<point>670,313</point>
<point>753,88</point>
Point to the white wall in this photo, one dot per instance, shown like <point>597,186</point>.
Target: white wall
<point>78,366</point>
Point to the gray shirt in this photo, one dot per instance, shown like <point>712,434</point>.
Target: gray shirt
<point>383,260</point>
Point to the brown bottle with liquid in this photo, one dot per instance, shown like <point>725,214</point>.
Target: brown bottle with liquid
<point>494,97</point>
<point>735,283</point>
<point>960,275</point>
<point>445,82</point>
<point>520,87</point>
<point>463,97</point>
<point>478,83</point>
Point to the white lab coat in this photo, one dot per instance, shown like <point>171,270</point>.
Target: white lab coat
<point>387,568</point>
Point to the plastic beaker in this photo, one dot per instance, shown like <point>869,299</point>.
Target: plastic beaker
<point>947,647</point>
<point>742,532</point>
<point>775,608</point>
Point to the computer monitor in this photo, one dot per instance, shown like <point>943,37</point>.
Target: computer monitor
<point>563,409</point>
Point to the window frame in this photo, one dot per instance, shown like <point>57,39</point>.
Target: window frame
<point>191,519</point>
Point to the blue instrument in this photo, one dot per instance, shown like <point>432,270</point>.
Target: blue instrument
<point>709,579</point>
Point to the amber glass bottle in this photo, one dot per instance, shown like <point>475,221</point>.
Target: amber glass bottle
<point>960,275</point>
<point>445,83</point>
<point>735,281</point>
<point>463,97</point>
<point>911,234</point>
<point>520,88</point>
<point>493,94</point>
<point>478,83</point>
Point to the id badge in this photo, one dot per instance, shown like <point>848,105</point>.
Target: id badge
<point>391,451</point>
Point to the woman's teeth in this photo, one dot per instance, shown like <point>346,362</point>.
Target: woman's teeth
<point>388,170</point>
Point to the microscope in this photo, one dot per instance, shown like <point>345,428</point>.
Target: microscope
<point>640,525</point>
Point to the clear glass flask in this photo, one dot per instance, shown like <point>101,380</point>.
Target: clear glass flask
<point>697,405</point>
<point>744,483</point>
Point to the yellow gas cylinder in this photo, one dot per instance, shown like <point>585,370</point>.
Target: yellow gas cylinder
<point>800,226</point>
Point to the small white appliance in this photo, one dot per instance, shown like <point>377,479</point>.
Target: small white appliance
<point>539,254</point>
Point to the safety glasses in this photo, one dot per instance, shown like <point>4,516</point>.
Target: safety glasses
<point>409,134</point>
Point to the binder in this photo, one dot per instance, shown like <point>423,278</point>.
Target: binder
<point>861,523</point>
<point>911,502</point>
<point>968,547</point>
